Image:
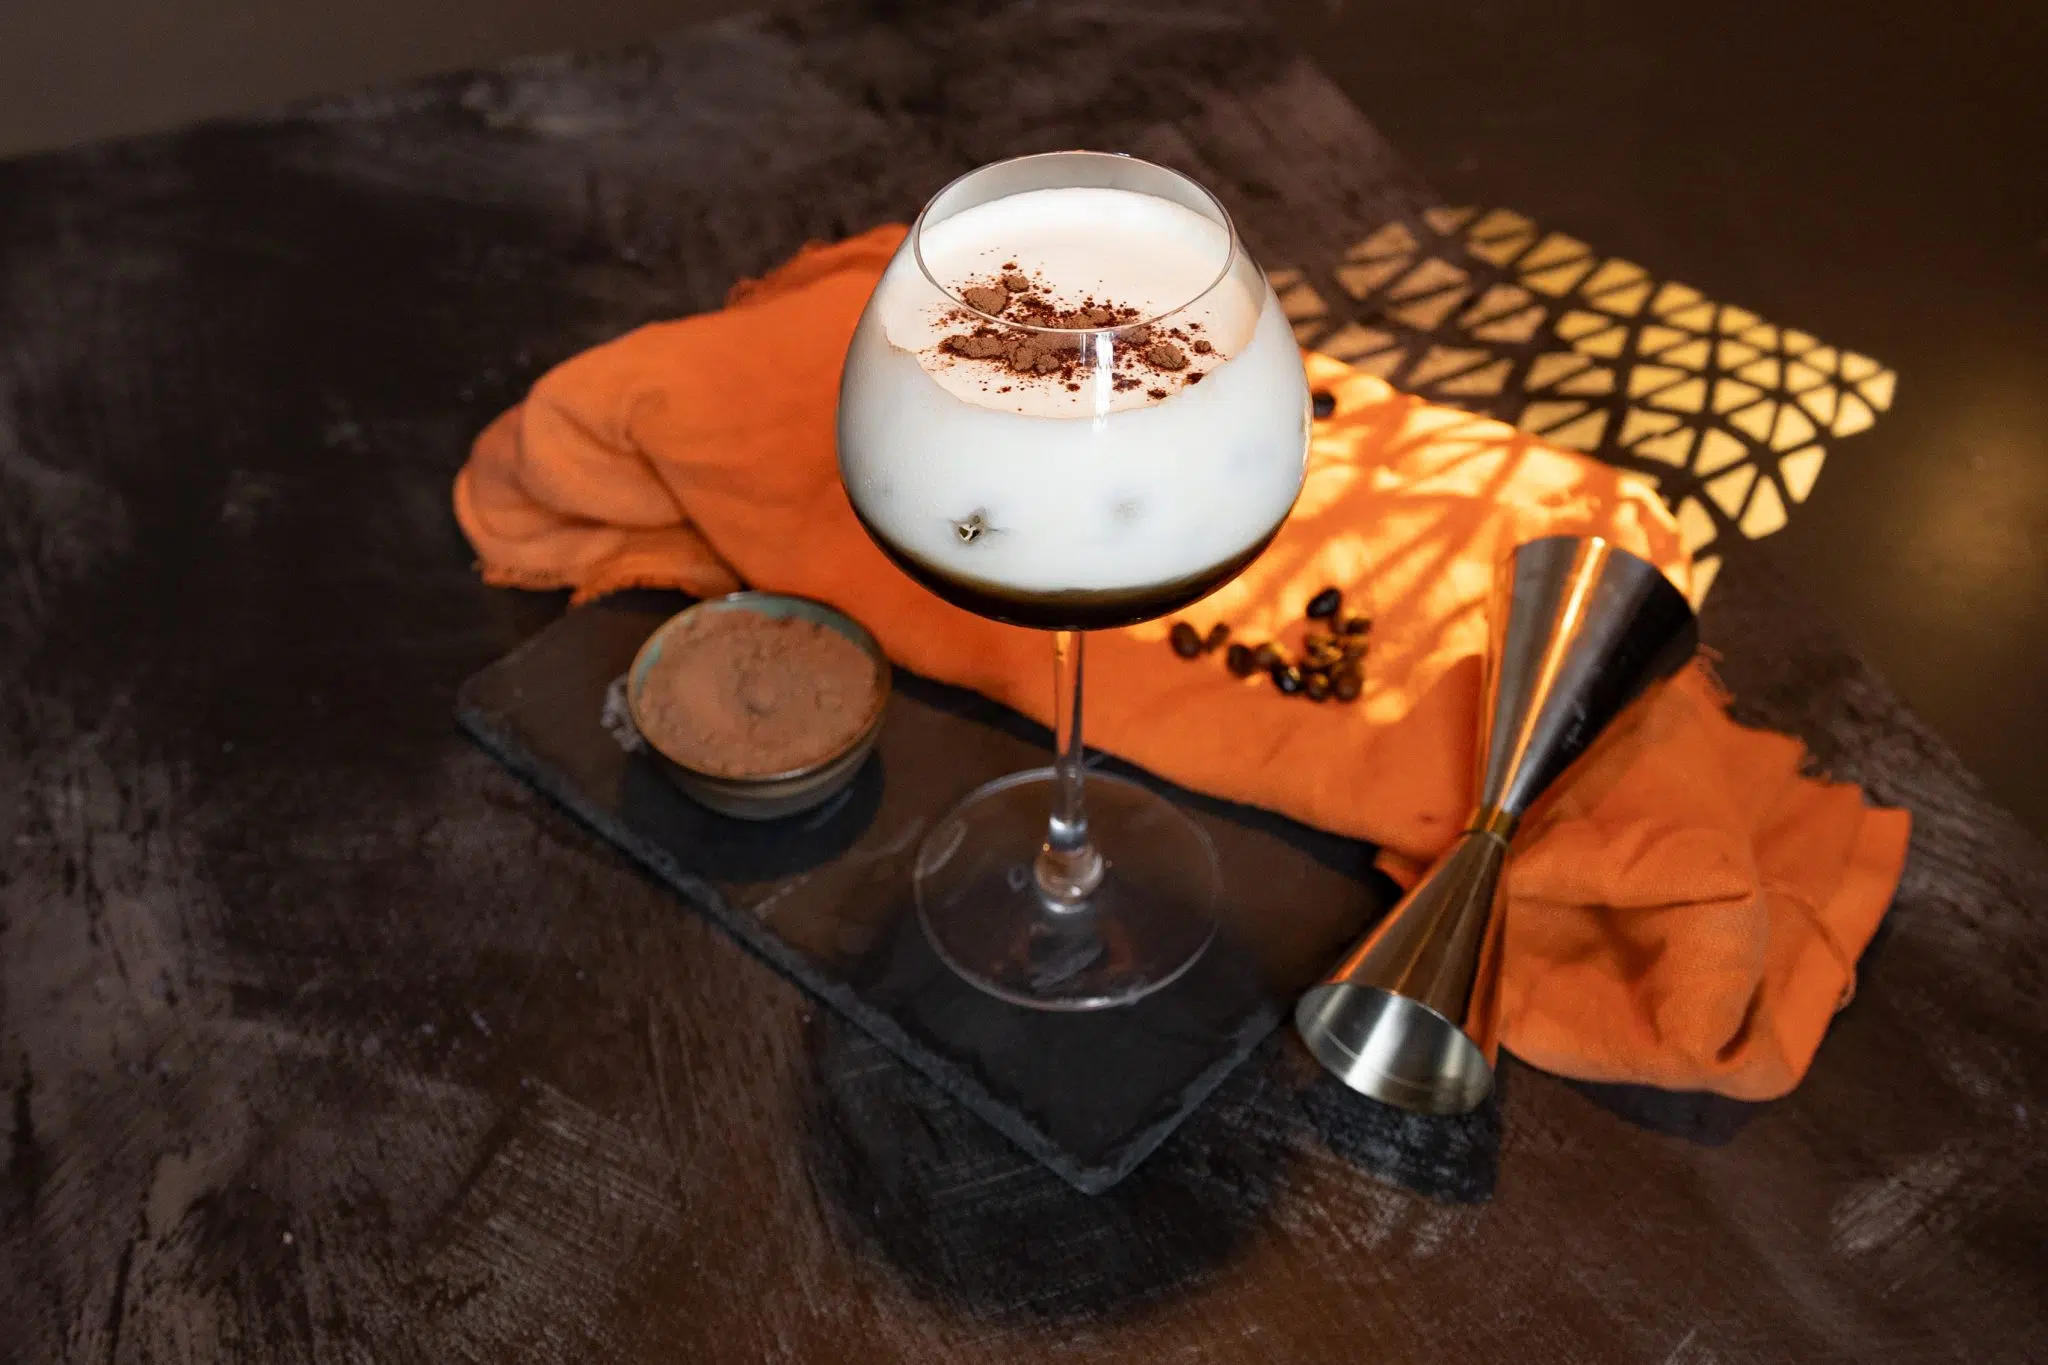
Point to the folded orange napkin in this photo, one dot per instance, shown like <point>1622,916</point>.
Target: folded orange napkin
<point>1688,916</point>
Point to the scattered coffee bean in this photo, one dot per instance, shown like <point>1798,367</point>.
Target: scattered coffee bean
<point>1348,683</point>
<point>1287,678</point>
<point>1268,656</point>
<point>1218,633</point>
<point>1317,685</point>
<point>1354,649</point>
<point>1357,625</point>
<point>1325,604</point>
<point>1185,641</point>
<point>1321,650</point>
<point>1239,661</point>
<point>1325,402</point>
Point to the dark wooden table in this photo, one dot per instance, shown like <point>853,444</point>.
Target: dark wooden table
<point>325,1039</point>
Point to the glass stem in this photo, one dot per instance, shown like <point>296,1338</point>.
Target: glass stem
<point>1069,866</point>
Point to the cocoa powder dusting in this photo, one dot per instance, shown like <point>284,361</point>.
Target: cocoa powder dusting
<point>735,694</point>
<point>1166,355</point>
<point>1150,357</point>
<point>989,299</point>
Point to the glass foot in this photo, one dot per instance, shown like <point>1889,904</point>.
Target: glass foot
<point>1145,924</point>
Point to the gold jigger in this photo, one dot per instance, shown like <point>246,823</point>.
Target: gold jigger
<point>1577,630</point>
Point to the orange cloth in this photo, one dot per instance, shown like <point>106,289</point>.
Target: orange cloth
<point>1687,916</point>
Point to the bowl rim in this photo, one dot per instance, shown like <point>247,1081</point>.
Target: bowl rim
<point>750,599</point>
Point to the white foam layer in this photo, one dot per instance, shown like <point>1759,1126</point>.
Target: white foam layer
<point>1080,492</point>
<point>1112,245</point>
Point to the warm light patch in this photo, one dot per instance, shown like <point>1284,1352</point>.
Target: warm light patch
<point>1730,394</point>
<point>1514,327</point>
<point>1498,301</point>
<point>1695,525</point>
<point>1672,449</point>
<point>1302,301</point>
<point>1642,422</point>
<point>1351,341</point>
<point>1650,378</point>
<point>1446,360</point>
<point>1718,450</point>
<point>1392,240</point>
<point>1485,381</point>
<point>1546,370</point>
<point>1703,571</point>
<point>1626,301</point>
<point>1361,280</point>
<point>1446,219</point>
<point>1766,511</point>
<point>1599,379</point>
<point>1428,314</point>
<point>1729,491</point>
<point>1427,278</point>
<point>1607,345</point>
<point>1689,396</point>
<point>1800,470</point>
<point>1485,309</point>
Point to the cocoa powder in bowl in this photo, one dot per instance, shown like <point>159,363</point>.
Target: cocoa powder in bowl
<point>739,694</point>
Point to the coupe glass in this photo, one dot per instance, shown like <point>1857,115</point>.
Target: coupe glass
<point>1072,403</point>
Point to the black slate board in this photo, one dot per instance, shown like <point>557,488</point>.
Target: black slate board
<point>824,897</point>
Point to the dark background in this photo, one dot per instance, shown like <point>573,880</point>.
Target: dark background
<point>1869,172</point>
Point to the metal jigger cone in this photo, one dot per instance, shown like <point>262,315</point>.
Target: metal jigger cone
<point>1577,630</point>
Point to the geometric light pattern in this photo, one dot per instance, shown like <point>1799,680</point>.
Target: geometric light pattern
<point>1728,414</point>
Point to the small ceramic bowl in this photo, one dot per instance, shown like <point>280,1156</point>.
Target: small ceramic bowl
<point>774,795</point>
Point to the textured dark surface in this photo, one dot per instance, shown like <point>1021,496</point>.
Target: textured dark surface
<point>324,1038</point>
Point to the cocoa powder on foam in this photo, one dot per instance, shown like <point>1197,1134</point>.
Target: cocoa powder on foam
<point>1152,356</point>
<point>737,694</point>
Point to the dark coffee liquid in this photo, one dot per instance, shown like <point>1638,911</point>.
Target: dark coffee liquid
<point>1080,609</point>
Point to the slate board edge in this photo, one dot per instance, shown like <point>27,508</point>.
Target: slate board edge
<point>479,723</point>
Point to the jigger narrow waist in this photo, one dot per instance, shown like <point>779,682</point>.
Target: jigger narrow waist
<point>1494,821</point>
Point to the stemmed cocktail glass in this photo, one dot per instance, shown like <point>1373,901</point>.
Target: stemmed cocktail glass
<point>1073,403</point>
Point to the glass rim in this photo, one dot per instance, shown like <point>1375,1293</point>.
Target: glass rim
<point>1223,214</point>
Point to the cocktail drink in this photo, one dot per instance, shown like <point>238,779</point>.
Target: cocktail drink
<point>1072,403</point>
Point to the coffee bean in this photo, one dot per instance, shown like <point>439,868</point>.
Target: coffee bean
<point>1287,678</point>
<point>1185,641</point>
<point>1348,683</point>
<point>1268,656</point>
<point>1357,625</point>
<point>1354,649</point>
<point>1324,604</point>
<point>1218,633</point>
<point>1325,402</point>
<point>1239,660</point>
<point>1317,685</point>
